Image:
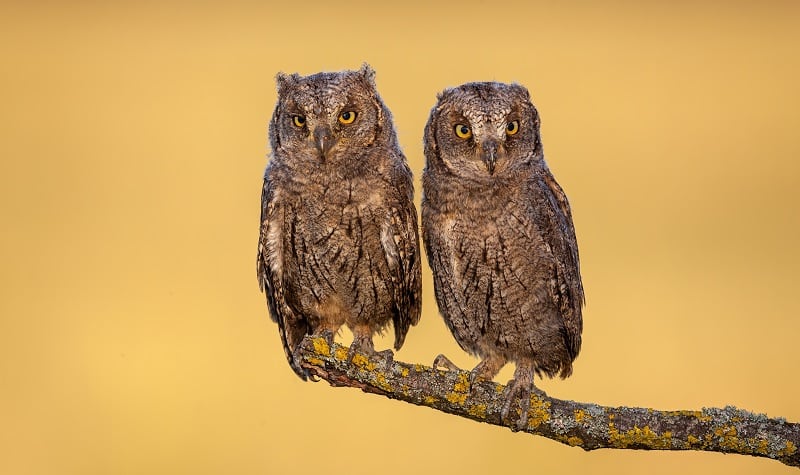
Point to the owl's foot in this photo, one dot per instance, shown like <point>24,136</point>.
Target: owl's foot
<point>363,345</point>
<point>443,362</point>
<point>327,334</point>
<point>297,366</point>
<point>487,369</point>
<point>519,389</point>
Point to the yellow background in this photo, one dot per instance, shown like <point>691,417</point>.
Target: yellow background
<point>134,339</point>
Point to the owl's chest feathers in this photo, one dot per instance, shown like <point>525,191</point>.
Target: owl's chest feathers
<point>336,220</point>
<point>479,206</point>
<point>488,227</point>
<point>327,198</point>
<point>333,245</point>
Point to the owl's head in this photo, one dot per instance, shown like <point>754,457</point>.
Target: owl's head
<point>328,115</point>
<point>482,130</point>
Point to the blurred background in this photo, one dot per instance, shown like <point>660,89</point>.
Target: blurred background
<point>133,337</point>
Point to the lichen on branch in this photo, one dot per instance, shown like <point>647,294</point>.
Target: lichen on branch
<point>585,425</point>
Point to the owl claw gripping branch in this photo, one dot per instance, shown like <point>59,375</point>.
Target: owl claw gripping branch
<point>338,243</point>
<point>500,240</point>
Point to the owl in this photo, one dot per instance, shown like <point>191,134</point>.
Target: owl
<point>499,237</point>
<point>338,243</point>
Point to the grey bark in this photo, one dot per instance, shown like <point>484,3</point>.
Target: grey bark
<point>585,425</point>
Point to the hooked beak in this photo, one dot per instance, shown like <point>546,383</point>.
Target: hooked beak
<point>323,139</point>
<point>489,154</point>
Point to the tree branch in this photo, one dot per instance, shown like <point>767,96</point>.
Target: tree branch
<point>584,425</point>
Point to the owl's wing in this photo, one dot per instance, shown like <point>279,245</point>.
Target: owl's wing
<point>568,289</point>
<point>400,242</point>
<point>442,254</point>
<point>269,267</point>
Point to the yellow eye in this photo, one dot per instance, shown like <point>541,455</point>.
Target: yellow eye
<point>299,120</point>
<point>463,131</point>
<point>512,127</point>
<point>347,117</point>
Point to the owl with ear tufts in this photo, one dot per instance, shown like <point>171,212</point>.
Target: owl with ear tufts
<point>338,243</point>
<point>499,237</point>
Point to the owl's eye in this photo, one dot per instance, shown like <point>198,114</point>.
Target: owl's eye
<point>299,120</point>
<point>462,131</point>
<point>347,117</point>
<point>512,127</point>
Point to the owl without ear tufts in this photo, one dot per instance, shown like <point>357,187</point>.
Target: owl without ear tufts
<point>338,243</point>
<point>499,237</point>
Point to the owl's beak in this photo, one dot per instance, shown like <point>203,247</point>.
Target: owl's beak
<point>323,139</point>
<point>489,154</point>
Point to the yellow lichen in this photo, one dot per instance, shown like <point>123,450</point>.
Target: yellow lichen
<point>734,443</point>
<point>362,362</point>
<point>430,400</point>
<point>462,385</point>
<point>696,414</point>
<point>579,415</point>
<point>725,431</point>
<point>573,441</point>
<point>380,381</point>
<point>404,372</point>
<point>321,346</point>
<point>790,449</point>
<point>729,439</point>
<point>341,353</point>
<point>639,436</point>
<point>316,361</point>
<point>539,412</point>
<point>763,447</point>
<point>692,440</point>
<point>478,410</point>
<point>419,368</point>
<point>456,398</point>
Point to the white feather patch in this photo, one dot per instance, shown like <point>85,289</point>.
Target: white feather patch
<point>389,245</point>
<point>274,240</point>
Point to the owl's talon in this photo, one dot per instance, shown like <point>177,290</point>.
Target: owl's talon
<point>387,355</point>
<point>443,362</point>
<point>487,369</point>
<point>475,376</point>
<point>519,389</point>
<point>510,400</point>
<point>361,345</point>
<point>352,352</point>
<point>297,362</point>
<point>328,335</point>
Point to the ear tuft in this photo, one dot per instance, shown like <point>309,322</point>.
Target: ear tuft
<point>523,90</point>
<point>285,81</point>
<point>444,94</point>
<point>367,73</point>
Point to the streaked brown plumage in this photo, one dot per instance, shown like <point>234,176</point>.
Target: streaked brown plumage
<point>338,242</point>
<point>499,237</point>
